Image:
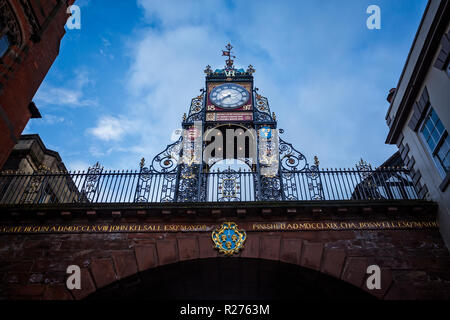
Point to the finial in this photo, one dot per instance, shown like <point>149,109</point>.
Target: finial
<point>227,53</point>
<point>43,168</point>
<point>363,165</point>
<point>316,161</point>
<point>96,166</point>
<point>142,164</point>
<point>251,70</point>
<point>208,70</point>
<point>184,117</point>
<point>274,116</point>
<point>202,94</point>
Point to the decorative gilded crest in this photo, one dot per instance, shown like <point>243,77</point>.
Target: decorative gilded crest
<point>266,132</point>
<point>228,239</point>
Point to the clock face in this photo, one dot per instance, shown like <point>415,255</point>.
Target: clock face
<point>229,96</point>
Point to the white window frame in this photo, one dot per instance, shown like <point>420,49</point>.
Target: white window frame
<point>433,153</point>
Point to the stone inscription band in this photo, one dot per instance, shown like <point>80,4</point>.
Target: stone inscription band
<point>209,227</point>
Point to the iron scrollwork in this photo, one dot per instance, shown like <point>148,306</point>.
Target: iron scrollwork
<point>167,161</point>
<point>293,161</point>
<point>271,188</point>
<point>183,179</point>
<point>314,182</point>
<point>262,110</point>
<point>90,187</point>
<point>368,188</point>
<point>196,110</point>
<point>165,168</point>
<point>229,186</point>
<point>189,179</point>
<point>35,186</point>
<point>143,187</point>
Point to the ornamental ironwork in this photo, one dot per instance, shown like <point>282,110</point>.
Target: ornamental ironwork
<point>229,186</point>
<point>90,189</point>
<point>36,183</point>
<point>183,172</point>
<point>149,186</point>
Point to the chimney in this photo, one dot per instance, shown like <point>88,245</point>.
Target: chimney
<point>391,94</point>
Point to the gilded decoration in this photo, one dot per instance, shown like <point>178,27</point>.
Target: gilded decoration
<point>228,239</point>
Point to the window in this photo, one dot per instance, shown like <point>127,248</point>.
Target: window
<point>437,140</point>
<point>443,59</point>
<point>4,45</point>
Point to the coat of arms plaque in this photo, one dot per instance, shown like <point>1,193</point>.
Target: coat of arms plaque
<point>228,239</point>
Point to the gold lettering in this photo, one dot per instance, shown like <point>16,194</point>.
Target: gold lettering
<point>274,226</point>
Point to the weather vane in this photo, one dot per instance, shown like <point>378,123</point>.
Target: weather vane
<point>227,53</point>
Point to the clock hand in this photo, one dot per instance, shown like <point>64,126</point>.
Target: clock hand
<point>228,96</point>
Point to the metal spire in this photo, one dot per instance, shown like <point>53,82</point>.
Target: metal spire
<point>228,53</point>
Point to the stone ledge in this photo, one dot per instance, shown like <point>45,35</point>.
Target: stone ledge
<point>240,209</point>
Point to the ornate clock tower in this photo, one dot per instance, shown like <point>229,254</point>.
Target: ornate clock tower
<point>230,120</point>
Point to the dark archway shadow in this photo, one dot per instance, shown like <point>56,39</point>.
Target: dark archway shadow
<point>231,279</point>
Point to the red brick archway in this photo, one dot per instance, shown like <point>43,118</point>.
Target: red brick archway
<point>230,279</point>
<point>114,243</point>
<point>414,263</point>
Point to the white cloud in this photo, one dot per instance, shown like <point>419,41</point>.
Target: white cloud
<point>166,73</point>
<point>71,94</point>
<point>329,97</point>
<point>180,12</point>
<point>111,129</point>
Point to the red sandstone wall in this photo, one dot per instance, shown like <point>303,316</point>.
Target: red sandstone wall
<point>415,264</point>
<point>23,79</point>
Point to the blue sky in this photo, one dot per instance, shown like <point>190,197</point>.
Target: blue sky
<point>121,84</point>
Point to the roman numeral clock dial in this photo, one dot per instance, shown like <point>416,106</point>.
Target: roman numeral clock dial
<point>229,96</point>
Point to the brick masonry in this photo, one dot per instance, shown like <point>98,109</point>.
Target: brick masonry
<point>25,65</point>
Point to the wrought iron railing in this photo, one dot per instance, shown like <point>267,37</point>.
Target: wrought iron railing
<point>99,186</point>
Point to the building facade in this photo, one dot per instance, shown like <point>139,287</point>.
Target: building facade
<point>419,113</point>
<point>36,163</point>
<point>30,155</point>
<point>30,36</point>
